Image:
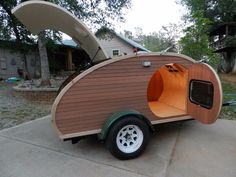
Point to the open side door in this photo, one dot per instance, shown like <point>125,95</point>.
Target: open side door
<point>40,15</point>
<point>205,93</point>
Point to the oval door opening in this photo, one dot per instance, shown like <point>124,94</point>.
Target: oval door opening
<point>167,91</point>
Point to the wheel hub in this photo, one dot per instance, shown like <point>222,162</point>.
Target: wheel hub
<point>129,138</point>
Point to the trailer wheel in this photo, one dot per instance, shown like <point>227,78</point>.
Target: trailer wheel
<point>128,138</point>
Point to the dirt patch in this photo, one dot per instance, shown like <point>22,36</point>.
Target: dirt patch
<point>231,78</point>
<point>15,110</point>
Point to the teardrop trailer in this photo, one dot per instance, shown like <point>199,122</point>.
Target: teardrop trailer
<point>121,99</point>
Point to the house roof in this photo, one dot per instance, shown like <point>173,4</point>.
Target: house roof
<point>69,43</point>
<point>132,43</point>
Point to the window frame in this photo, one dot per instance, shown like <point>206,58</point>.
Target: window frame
<point>115,50</point>
<point>197,102</point>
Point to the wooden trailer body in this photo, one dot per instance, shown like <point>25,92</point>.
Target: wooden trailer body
<point>160,92</point>
<point>121,98</point>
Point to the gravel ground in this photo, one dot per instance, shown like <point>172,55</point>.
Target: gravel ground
<point>14,110</point>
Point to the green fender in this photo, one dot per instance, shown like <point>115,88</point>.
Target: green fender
<point>119,115</point>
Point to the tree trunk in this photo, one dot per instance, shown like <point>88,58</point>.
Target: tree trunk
<point>26,74</point>
<point>233,63</point>
<point>228,63</point>
<point>45,73</point>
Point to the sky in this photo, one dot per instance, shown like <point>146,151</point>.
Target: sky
<point>151,15</point>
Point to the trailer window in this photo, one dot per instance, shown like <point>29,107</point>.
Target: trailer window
<point>201,93</point>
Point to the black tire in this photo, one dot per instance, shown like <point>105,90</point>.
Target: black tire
<point>120,127</point>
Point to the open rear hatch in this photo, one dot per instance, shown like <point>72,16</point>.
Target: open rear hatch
<point>40,15</point>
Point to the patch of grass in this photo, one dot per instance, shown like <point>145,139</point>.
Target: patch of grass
<point>229,94</point>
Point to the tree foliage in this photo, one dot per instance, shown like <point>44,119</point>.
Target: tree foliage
<point>203,15</point>
<point>96,13</point>
<point>10,27</point>
<point>170,35</point>
<point>195,41</point>
<point>156,42</point>
<point>214,10</point>
<point>167,37</point>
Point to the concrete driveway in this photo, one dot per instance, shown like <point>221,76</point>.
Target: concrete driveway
<point>185,149</point>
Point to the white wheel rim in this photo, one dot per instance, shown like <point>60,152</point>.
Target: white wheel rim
<point>129,138</point>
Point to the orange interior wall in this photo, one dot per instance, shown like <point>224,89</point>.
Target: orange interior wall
<point>155,87</point>
<point>174,88</point>
<point>168,88</point>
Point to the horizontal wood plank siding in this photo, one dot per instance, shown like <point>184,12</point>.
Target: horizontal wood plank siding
<point>108,89</point>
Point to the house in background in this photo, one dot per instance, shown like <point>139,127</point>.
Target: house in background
<point>12,60</point>
<point>118,45</point>
<point>68,55</point>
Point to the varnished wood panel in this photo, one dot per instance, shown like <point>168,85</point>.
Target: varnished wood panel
<point>87,102</point>
<point>175,88</point>
<point>201,71</point>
